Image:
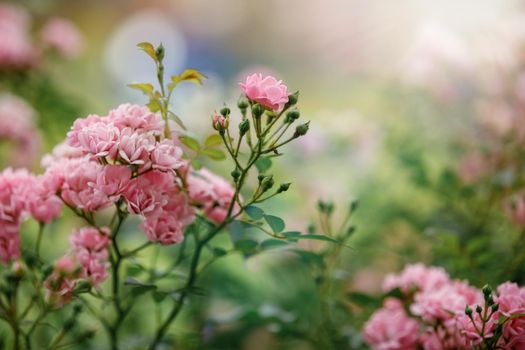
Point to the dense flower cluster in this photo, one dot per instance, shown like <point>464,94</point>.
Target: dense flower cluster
<point>17,49</point>
<point>17,125</point>
<point>431,313</point>
<point>87,261</point>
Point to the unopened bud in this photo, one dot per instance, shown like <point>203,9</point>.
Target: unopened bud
<point>243,103</point>
<point>159,52</point>
<point>225,111</point>
<point>257,110</point>
<point>494,307</point>
<point>236,173</point>
<point>267,183</point>
<point>292,99</point>
<point>283,187</point>
<point>353,206</point>
<point>244,126</point>
<point>301,130</point>
<point>479,309</point>
<point>468,311</point>
<point>486,290</point>
<point>220,123</point>
<point>292,115</point>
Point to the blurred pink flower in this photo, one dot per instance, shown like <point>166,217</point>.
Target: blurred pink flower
<point>416,277</point>
<point>63,36</point>
<point>17,125</point>
<point>16,48</point>
<point>391,329</point>
<point>267,91</point>
<point>212,193</point>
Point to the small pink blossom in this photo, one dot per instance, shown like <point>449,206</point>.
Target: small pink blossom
<point>135,148</point>
<point>98,139</point>
<point>147,192</point>
<point>166,156</point>
<point>63,36</point>
<point>267,91</point>
<point>78,188</point>
<point>113,180</point>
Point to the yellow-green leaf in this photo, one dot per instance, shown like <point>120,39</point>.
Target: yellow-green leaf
<point>190,142</point>
<point>215,154</point>
<point>191,75</point>
<point>212,141</point>
<point>146,88</point>
<point>148,48</point>
<point>154,106</point>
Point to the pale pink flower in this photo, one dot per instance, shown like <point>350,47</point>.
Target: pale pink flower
<point>268,91</point>
<point>442,303</point>
<point>135,148</point>
<point>138,118</point>
<point>146,193</point>
<point>44,205</point>
<point>63,36</point>
<point>219,122</point>
<point>99,140</point>
<point>113,180</point>
<point>391,329</point>
<point>511,300</point>
<point>416,277</point>
<point>78,189</point>
<point>59,152</point>
<point>90,246</point>
<point>79,125</point>
<point>166,156</point>
<point>163,227</point>
<point>212,193</point>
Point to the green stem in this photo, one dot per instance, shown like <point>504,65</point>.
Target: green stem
<point>41,226</point>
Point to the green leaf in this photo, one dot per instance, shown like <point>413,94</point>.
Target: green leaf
<point>159,296</point>
<point>153,106</point>
<point>362,299</point>
<point>146,88</point>
<point>190,142</point>
<point>291,235</point>
<point>246,245</point>
<point>254,212</point>
<point>219,252</point>
<point>138,288</point>
<point>213,140</point>
<point>318,238</point>
<point>263,165</point>
<point>215,154</point>
<point>273,243</point>
<point>191,75</point>
<point>134,270</point>
<point>177,120</point>
<point>149,49</point>
<point>309,257</point>
<point>275,222</point>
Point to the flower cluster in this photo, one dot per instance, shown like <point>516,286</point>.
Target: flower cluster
<point>435,312</point>
<point>23,194</point>
<point>22,133</point>
<point>17,49</point>
<point>87,261</point>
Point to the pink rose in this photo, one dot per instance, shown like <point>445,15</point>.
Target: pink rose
<point>166,156</point>
<point>267,91</point>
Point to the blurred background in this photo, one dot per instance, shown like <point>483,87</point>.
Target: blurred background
<point>415,110</point>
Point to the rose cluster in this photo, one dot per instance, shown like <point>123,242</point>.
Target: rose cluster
<point>87,261</point>
<point>433,311</point>
<point>17,49</point>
